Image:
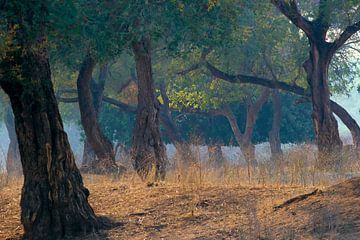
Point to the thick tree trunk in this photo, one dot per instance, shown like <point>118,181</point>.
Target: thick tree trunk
<point>274,134</point>
<point>53,199</point>
<point>13,160</point>
<point>325,125</point>
<point>89,104</point>
<point>148,150</point>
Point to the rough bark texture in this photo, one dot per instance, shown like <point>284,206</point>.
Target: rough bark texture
<point>13,160</point>
<point>53,199</point>
<point>317,66</point>
<point>274,134</point>
<point>90,98</point>
<point>148,150</point>
<point>325,124</point>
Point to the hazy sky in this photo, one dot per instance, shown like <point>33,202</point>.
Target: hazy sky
<point>351,104</point>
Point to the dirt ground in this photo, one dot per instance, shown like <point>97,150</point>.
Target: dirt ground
<point>208,211</point>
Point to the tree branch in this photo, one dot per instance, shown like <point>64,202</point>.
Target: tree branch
<point>290,10</point>
<point>345,35</point>
<point>240,78</point>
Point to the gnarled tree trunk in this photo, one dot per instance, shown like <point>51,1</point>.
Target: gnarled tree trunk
<point>274,134</point>
<point>53,199</point>
<point>325,125</point>
<point>89,104</point>
<point>148,150</point>
<point>13,160</point>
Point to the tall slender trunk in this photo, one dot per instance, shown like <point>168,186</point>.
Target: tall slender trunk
<point>274,134</point>
<point>183,148</point>
<point>325,125</point>
<point>148,150</point>
<point>89,157</point>
<point>89,105</point>
<point>13,160</point>
<point>53,199</point>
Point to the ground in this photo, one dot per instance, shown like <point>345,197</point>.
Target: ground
<point>171,210</point>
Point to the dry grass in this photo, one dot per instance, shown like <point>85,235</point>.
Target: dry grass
<point>209,209</point>
<point>200,202</point>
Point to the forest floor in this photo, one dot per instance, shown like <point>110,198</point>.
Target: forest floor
<point>208,210</point>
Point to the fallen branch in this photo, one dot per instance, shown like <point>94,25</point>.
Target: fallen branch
<point>297,199</point>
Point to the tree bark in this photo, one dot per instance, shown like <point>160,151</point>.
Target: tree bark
<point>89,157</point>
<point>90,98</point>
<point>53,200</point>
<point>325,125</point>
<point>349,122</point>
<point>148,150</point>
<point>13,160</point>
<point>274,134</point>
<point>317,67</point>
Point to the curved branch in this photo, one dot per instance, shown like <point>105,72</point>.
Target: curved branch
<point>336,108</point>
<point>240,78</point>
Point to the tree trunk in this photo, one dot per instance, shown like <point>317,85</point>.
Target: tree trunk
<point>183,149</point>
<point>89,157</point>
<point>13,160</point>
<point>53,199</point>
<point>216,157</point>
<point>349,122</point>
<point>148,150</point>
<point>274,134</point>
<point>325,125</point>
<point>90,98</point>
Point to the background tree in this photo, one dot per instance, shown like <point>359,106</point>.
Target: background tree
<point>323,46</point>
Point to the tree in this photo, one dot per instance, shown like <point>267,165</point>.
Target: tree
<point>90,98</point>
<point>13,162</point>
<point>53,200</point>
<point>274,134</point>
<point>316,66</point>
<point>148,149</point>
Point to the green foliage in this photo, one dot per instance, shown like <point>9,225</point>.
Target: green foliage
<point>116,124</point>
<point>296,124</point>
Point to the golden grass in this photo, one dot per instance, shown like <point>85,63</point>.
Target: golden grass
<point>202,203</point>
<point>168,210</point>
